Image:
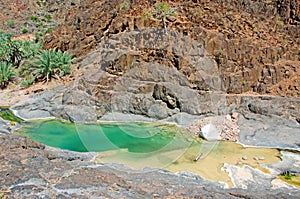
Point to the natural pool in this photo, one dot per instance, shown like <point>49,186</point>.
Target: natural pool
<point>159,145</point>
<point>132,137</point>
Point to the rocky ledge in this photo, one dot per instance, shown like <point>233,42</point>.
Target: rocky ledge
<point>31,170</point>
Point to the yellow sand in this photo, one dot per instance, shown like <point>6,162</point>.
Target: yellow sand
<point>209,167</point>
<point>214,155</point>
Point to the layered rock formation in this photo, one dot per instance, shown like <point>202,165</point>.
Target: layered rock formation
<point>145,72</point>
<point>255,43</point>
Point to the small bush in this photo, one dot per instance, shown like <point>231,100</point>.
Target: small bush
<point>24,31</point>
<point>125,6</point>
<point>34,18</point>
<point>39,24</point>
<point>49,30</point>
<point>38,34</point>
<point>162,10</point>
<point>48,17</point>
<point>279,21</point>
<point>11,23</point>
<point>28,81</point>
<point>9,50</point>
<point>39,3</point>
<point>30,49</point>
<point>14,51</point>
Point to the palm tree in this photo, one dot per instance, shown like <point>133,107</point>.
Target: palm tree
<point>6,73</point>
<point>44,64</point>
<point>51,63</point>
<point>29,48</point>
<point>63,60</point>
<point>10,50</point>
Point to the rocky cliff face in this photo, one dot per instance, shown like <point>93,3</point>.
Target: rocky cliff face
<point>147,72</point>
<point>255,43</point>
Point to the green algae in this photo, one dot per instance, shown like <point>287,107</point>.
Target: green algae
<point>7,114</point>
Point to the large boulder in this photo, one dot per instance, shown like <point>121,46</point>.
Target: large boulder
<point>210,132</point>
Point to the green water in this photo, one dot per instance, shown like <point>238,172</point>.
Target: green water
<point>153,145</point>
<point>133,137</point>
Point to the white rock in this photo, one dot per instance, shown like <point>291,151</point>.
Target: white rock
<point>210,132</point>
<point>228,117</point>
<point>261,158</point>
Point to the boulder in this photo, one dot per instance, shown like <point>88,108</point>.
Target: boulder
<point>210,132</point>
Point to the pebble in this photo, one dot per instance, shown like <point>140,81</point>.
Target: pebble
<point>244,158</point>
<point>228,117</point>
<point>261,158</point>
<point>255,158</point>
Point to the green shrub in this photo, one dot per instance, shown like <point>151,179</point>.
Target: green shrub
<point>49,30</point>
<point>39,3</point>
<point>34,18</point>
<point>48,17</point>
<point>29,48</point>
<point>125,6</point>
<point>14,51</point>
<point>38,34</point>
<point>6,73</point>
<point>28,81</point>
<point>162,10</point>
<point>9,50</point>
<point>11,23</point>
<point>63,60</point>
<point>5,41</point>
<point>24,31</point>
<point>39,25</point>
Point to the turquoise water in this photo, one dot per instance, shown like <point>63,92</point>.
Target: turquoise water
<point>134,137</point>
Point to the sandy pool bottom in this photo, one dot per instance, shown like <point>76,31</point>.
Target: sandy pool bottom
<point>212,157</point>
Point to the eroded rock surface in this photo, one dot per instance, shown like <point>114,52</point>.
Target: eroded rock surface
<point>255,43</point>
<point>159,76</point>
<point>29,170</point>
